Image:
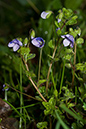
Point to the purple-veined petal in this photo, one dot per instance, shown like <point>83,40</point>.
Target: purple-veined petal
<point>15,47</point>
<point>59,20</point>
<point>66,42</point>
<point>11,44</point>
<point>16,41</point>
<point>44,14</point>
<point>20,43</point>
<point>38,42</point>
<point>69,40</point>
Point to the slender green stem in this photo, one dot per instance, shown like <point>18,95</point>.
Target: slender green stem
<point>39,66</point>
<point>33,6</point>
<point>50,69</point>
<point>74,65</point>
<point>61,121</point>
<point>20,115</point>
<point>62,77</point>
<point>21,96</point>
<point>76,94</point>
<point>22,93</point>
<point>5,94</point>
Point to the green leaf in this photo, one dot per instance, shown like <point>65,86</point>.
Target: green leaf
<point>41,81</point>
<point>67,57</point>
<point>25,41</point>
<point>67,13</point>
<point>68,94</point>
<point>61,121</point>
<point>68,65</point>
<point>50,106</point>
<point>72,21</point>
<point>49,14</point>
<point>74,126</point>
<point>81,67</point>
<point>79,41</point>
<point>76,116</point>
<point>42,125</point>
<point>57,24</point>
<point>24,51</point>
<point>61,15</point>
<point>75,32</point>
<point>57,125</point>
<point>32,33</point>
<point>84,106</point>
<point>78,31</point>
<point>31,56</point>
<point>55,93</point>
<point>59,31</point>
<point>42,90</point>
<point>54,59</point>
<point>70,105</point>
<point>50,44</point>
<point>30,74</point>
<point>79,78</point>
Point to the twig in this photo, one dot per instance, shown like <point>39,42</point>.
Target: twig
<point>33,82</point>
<point>22,92</point>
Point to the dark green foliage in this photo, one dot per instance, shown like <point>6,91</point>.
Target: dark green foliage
<point>66,99</point>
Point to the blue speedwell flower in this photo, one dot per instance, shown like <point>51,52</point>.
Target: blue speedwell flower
<point>38,42</point>
<point>68,40</point>
<point>5,88</point>
<point>15,44</point>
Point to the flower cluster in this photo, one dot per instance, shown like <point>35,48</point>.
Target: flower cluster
<point>15,44</point>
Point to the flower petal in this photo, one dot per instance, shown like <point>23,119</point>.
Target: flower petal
<point>38,42</point>
<point>66,42</point>
<point>59,20</point>
<point>67,35</point>
<point>11,44</point>
<point>44,15</point>
<point>71,38</point>
<point>20,43</point>
<point>15,47</point>
<point>16,41</point>
<point>63,36</point>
